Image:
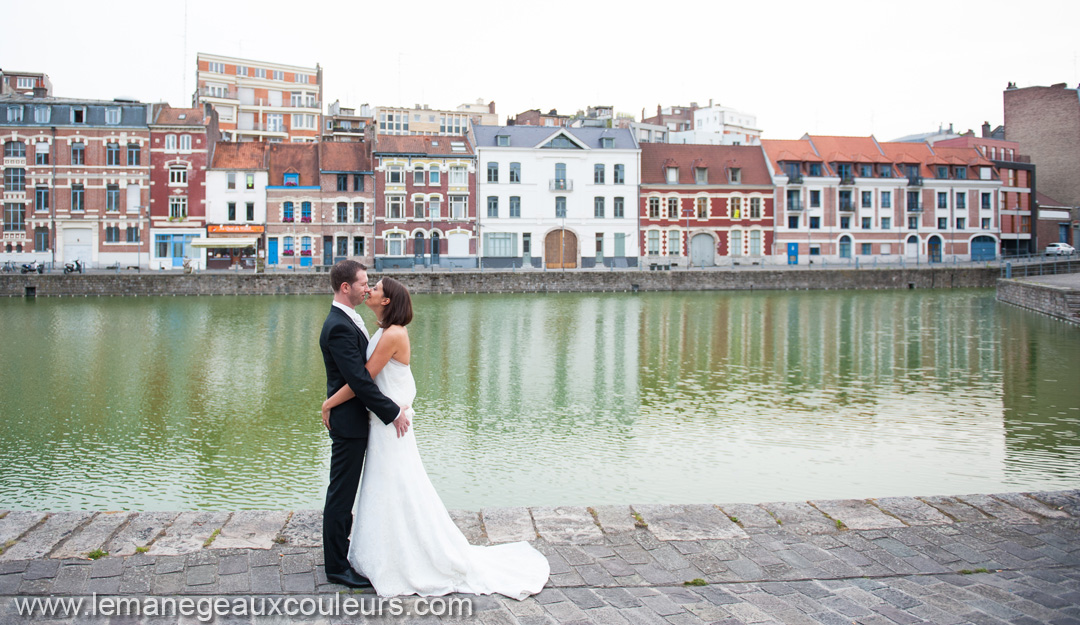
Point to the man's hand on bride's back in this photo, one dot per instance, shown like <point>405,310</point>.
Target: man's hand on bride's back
<point>402,423</point>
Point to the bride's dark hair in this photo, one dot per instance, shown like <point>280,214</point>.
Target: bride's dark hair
<point>399,311</point>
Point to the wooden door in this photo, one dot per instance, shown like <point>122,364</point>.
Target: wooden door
<point>560,250</point>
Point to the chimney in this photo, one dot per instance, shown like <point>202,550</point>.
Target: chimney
<point>986,130</point>
<point>39,89</point>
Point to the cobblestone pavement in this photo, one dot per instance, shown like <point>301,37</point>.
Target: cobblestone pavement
<point>980,559</point>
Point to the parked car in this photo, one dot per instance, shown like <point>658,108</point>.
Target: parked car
<point>1060,249</point>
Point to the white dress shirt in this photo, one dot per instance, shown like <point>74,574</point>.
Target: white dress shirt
<point>355,316</point>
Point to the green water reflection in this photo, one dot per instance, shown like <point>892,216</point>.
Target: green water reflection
<point>185,403</point>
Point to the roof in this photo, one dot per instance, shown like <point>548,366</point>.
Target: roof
<point>718,159</point>
<point>797,150</point>
<point>344,156</point>
<point>968,156</point>
<point>1045,200</point>
<point>294,158</point>
<point>421,144</point>
<point>18,98</point>
<point>909,153</point>
<point>240,155</point>
<point>532,136</point>
<point>166,115</point>
<point>848,149</point>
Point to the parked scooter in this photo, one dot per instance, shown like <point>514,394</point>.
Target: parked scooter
<point>73,267</point>
<point>9,267</point>
<point>32,266</point>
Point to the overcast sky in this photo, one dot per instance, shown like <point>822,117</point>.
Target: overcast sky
<point>844,68</point>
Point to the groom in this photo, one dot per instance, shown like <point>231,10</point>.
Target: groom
<point>344,342</point>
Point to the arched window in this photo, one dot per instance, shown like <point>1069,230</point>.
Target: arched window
<point>418,174</point>
<point>845,246</point>
<point>434,207</point>
<point>434,175</point>
<point>288,243</point>
<point>434,245</point>
<point>418,207</point>
<point>185,143</point>
<point>15,149</point>
<point>170,143</point>
<point>418,244</point>
<point>395,244</point>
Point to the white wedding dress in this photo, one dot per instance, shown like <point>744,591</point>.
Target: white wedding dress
<point>404,540</point>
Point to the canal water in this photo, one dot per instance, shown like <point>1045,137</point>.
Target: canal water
<point>576,399</point>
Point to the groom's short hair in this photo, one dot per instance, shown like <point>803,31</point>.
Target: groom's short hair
<point>344,271</point>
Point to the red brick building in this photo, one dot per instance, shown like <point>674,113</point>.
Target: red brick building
<point>182,143</point>
<point>425,201</point>
<point>347,201</point>
<point>705,204</point>
<point>294,213</point>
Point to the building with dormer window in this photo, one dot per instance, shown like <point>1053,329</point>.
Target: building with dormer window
<point>557,197</point>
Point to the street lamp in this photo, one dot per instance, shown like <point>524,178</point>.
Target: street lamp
<point>139,259</point>
<point>688,212</point>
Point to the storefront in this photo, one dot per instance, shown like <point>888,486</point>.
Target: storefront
<point>231,246</point>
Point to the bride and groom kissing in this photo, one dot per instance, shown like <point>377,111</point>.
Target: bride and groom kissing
<point>396,535</point>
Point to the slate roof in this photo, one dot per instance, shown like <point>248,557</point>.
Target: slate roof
<point>717,159</point>
<point>530,136</point>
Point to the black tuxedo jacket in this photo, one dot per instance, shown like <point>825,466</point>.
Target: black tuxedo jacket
<point>344,350</point>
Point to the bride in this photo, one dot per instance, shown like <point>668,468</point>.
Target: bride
<point>403,539</point>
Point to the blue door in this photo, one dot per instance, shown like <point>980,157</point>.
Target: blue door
<point>272,252</point>
<point>328,251</point>
<point>845,247</point>
<point>793,253</point>
<point>434,248</point>
<point>933,250</point>
<point>983,248</point>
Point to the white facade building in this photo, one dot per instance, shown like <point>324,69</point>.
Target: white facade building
<point>235,200</point>
<point>720,125</point>
<point>557,197</point>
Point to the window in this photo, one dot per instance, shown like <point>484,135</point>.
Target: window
<point>607,142</point>
<point>178,176</point>
<point>985,223</point>
<point>132,234</point>
<point>866,171</point>
<point>14,179</point>
<point>736,243</point>
<point>133,154</point>
<point>170,143</point>
<point>275,122</point>
<point>618,209</point>
<point>867,223</point>
<point>358,212</point>
<point>458,176</point>
<point>702,205</point>
<point>395,244</point>
<point>815,223</point>
<point>943,223</point>
<point>886,223</point>
<point>249,182</point>
<point>41,198</point>
<point>492,206</point>
<point>232,212</point>
<point>42,114</point>
<point>598,207</point>
<point>598,173</point>
<point>867,199</point>
<point>457,206</point>
<point>502,140</point>
<point>942,171</point>
<point>230,181</point>
<point>985,201</point>
<point>395,207</point>
<point>14,217</point>
<point>560,207</point>
<point>654,208</point>
<point>961,223</point>
<point>701,175</point>
<point>418,207</point>
<point>492,172</point>
<point>671,175</point>
<point>434,175</point>
<point>304,120</point>
<point>515,173</point>
<point>735,206</point>
<point>287,211</point>
<point>300,77</point>
<point>961,200</point>
<point>845,222</point>
<point>885,171</point>
<point>112,115</point>
<point>78,198</point>
<point>358,246</point>
<point>865,249</point>
<point>501,244</point>
<point>673,243</point>
<point>78,115</point>
<point>913,223</point>
<point>112,197</point>
<point>886,199</point>
<point>960,173</point>
<point>434,207</point>
<point>305,245</point>
<point>15,149</point>
<point>241,71</point>
<point>277,74</point>
<point>343,182</point>
<point>942,200</point>
<point>515,206</point>
<point>652,244</point>
<point>41,153</point>
<point>112,154</point>
<point>913,200</point>
<point>815,199</point>
<point>755,208</point>
<point>78,153</point>
<point>815,169</point>
<point>620,174</point>
<point>755,243</point>
<point>793,222</point>
<point>343,246</point>
<point>112,234</point>
<point>215,67</point>
<point>305,211</point>
<point>291,180</point>
<point>342,212</point>
<point>15,113</point>
<point>177,207</point>
<point>846,203</point>
<point>735,175</point>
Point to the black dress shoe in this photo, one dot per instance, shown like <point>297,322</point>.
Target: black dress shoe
<point>349,578</point>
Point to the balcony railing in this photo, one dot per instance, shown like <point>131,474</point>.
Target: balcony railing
<point>260,127</point>
<point>561,184</point>
<point>225,94</point>
<point>796,179</point>
<point>847,181</point>
<point>847,206</point>
<point>915,208</point>
<point>795,206</point>
<point>336,128</point>
<point>914,181</point>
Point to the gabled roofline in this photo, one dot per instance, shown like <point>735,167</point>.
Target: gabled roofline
<point>567,134</point>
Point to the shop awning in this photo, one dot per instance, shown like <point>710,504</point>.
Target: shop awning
<point>224,242</point>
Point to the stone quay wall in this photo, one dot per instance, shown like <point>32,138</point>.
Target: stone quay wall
<point>59,285</point>
<point>1055,301</point>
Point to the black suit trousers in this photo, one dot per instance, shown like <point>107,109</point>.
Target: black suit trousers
<point>346,464</point>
